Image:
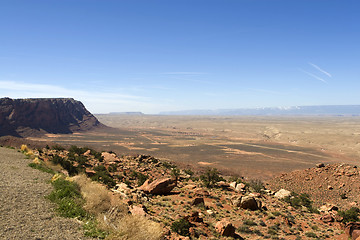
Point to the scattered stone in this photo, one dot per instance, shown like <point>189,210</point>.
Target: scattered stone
<point>233,185</point>
<point>138,210</point>
<point>352,227</point>
<point>198,201</point>
<point>320,165</point>
<point>330,187</point>
<point>249,202</point>
<point>240,187</point>
<point>282,193</point>
<point>202,192</point>
<point>327,218</point>
<point>195,217</point>
<point>160,186</point>
<point>328,207</point>
<point>189,187</point>
<point>225,228</point>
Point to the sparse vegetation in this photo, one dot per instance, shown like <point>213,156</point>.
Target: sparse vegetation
<point>210,177</point>
<point>181,226</point>
<point>350,215</point>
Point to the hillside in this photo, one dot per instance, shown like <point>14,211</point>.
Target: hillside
<point>36,116</point>
<point>199,205</point>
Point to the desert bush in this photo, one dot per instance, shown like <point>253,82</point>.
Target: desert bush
<point>168,165</point>
<point>303,199</point>
<point>131,227</point>
<point>189,172</point>
<point>67,196</point>
<point>350,215</point>
<point>175,173</point>
<point>97,199</point>
<point>41,168</point>
<point>256,184</point>
<point>65,164</point>
<point>310,235</point>
<point>211,177</point>
<point>102,175</point>
<point>56,147</point>
<point>181,227</point>
<point>141,178</point>
<point>244,229</point>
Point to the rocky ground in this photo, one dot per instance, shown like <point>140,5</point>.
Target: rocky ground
<point>24,212</point>
<point>338,184</point>
<point>230,207</point>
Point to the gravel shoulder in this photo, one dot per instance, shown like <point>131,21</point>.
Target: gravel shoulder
<point>24,212</point>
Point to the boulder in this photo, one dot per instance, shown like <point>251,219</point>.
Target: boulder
<point>282,193</point>
<point>197,201</point>
<point>240,187</point>
<point>352,229</point>
<point>327,218</point>
<point>233,185</point>
<point>225,228</point>
<point>249,202</point>
<point>137,210</point>
<point>236,200</point>
<point>160,186</point>
<point>328,207</point>
<point>194,217</point>
<point>320,165</point>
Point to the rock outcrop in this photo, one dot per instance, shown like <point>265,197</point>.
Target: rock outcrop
<point>35,116</point>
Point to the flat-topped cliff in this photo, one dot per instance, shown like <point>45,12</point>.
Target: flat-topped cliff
<point>25,117</point>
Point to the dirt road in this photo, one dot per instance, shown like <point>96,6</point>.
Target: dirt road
<point>24,212</point>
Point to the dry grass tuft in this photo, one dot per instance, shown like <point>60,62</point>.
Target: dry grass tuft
<point>136,228</point>
<point>96,195</point>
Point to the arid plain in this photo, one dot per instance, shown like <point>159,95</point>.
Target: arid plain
<point>252,146</point>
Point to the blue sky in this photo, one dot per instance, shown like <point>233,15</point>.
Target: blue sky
<point>152,56</point>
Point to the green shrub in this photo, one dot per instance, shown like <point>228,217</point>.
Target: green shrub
<point>66,164</point>
<point>181,227</point>
<point>350,215</point>
<point>56,147</point>
<point>303,199</point>
<point>168,165</point>
<point>211,177</point>
<point>102,175</point>
<point>68,198</point>
<point>175,173</point>
<point>256,184</point>
<point>310,234</point>
<point>189,172</point>
<point>41,168</point>
<point>244,229</point>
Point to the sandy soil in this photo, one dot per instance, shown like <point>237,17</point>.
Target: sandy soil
<point>24,212</point>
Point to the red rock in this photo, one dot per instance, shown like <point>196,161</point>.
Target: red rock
<point>356,234</point>
<point>225,228</point>
<point>137,210</point>
<point>202,193</point>
<point>249,202</point>
<point>350,228</point>
<point>197,201</point>
<point>327,218</point>
<point>160,186</point>
<point>194,217</point>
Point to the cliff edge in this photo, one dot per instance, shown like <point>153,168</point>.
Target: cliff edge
<point>36,116</point>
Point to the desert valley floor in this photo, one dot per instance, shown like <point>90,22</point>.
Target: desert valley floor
<point>254,147</point>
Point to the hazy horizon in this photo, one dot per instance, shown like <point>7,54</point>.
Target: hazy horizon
<point>153,56</point>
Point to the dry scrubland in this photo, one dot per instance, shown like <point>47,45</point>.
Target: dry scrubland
<point>140,197</point>
<point>255,147</point>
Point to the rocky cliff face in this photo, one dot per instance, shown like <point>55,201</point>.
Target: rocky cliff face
<point>25,117</point>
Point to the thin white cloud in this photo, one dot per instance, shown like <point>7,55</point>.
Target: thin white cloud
<point>96,101</point>
<point>183,73</point>
<point>265,91</point>
<point>191,80</point>
<point>314,76</point>
<point>320,69</point>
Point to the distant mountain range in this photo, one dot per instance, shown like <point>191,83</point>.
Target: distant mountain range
<point>330,110</point>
